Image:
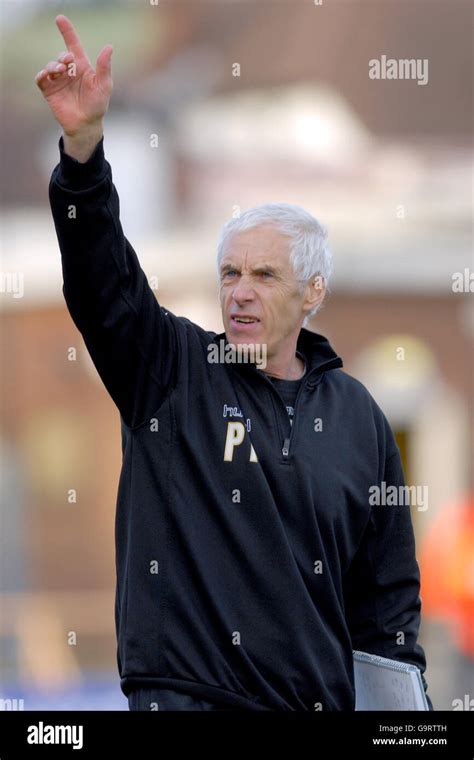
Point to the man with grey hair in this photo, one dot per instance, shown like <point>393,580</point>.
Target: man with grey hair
<point>250,561</point>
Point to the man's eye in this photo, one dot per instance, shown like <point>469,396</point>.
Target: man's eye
<point>267,274</point>
<point>229,273</point>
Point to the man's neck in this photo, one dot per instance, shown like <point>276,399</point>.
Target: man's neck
<point>291,370</point>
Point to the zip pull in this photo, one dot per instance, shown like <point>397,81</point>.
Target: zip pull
<point>286,447</point>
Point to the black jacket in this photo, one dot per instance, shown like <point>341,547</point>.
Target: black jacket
<point>247,570</point>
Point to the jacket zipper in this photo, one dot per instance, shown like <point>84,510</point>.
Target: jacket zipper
<point>288,439</point>
<point>287,442</point>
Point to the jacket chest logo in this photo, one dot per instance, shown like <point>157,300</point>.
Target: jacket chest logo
<point>236,432</point>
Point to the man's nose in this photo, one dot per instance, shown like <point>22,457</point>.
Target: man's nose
<point>243,291</point>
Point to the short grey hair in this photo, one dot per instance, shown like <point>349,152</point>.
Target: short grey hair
<point>309,251</point>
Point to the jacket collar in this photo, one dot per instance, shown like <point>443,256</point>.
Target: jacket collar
<point>318,352</point>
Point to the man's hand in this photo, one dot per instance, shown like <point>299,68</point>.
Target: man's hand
<point>77,95</point>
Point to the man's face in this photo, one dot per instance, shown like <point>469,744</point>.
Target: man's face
<point>257,281</point>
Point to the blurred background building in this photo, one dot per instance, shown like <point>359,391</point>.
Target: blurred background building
<point>218,106</point>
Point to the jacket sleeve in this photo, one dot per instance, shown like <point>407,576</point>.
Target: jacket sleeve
<point>382,586</point>
<point>131,339</point>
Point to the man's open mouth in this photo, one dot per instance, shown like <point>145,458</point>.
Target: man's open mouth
<point>245,320</point>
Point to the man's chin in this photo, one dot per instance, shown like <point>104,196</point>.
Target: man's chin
<point>247,348</point>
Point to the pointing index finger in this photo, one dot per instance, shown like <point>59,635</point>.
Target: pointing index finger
<point>70,36</point>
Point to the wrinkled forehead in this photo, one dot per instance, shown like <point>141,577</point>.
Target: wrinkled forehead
<point>262,244</point>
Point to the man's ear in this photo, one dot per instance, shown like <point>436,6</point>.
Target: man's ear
<point>315,292</point>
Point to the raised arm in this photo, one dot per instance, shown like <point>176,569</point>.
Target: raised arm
<point>130,338</point>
